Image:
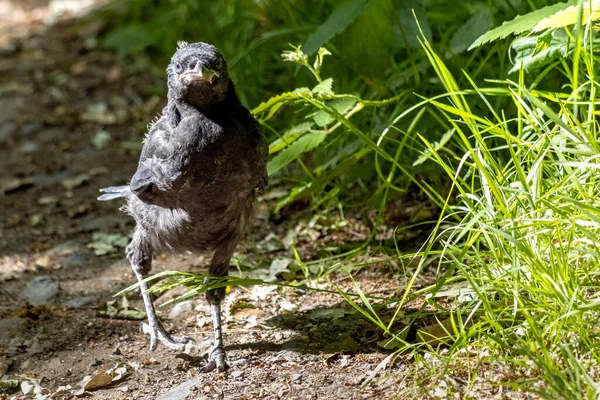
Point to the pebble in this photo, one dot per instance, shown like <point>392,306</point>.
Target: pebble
<point>181,309</point>
<point>41,290</point>
<point>237,374</point>
<point>117,351</point>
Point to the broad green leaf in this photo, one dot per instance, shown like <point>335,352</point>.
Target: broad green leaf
<point>568,17</point>
<point>536,51</point>
<point>294,150</point>
<point>339,20</point>
<point>324,87</point>
<point>342,106</point>
<point>477,25</point>
<point>289,137</point>
<point>521,23</point>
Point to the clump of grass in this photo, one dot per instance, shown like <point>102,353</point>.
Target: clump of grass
<point>521,228</point>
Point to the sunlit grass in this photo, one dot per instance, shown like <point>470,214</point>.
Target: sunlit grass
<point>525,185</point>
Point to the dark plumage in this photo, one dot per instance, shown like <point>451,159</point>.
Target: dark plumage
<point>202,166</point>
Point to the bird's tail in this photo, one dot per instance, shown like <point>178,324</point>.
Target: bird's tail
<point>114,192</point>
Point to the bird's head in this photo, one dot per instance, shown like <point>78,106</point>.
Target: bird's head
<point>198,75</point>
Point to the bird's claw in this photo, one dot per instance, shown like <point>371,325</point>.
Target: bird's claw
<point>216,361</point>
<point>158,334</point>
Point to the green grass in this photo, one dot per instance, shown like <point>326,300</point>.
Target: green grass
<point>520,228</point>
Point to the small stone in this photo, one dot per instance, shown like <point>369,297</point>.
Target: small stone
<point>43,261</point>
<point>237,374</point>
<point>181,309</point>
<point>36,219</point>
<point>95,363</point>
<point>41,290</point>
<point>48,200</point>
<point>117,351</point>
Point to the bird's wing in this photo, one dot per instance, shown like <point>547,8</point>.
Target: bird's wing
<point>160,164</point>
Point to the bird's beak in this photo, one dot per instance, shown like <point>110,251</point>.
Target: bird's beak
<point>199,73</point>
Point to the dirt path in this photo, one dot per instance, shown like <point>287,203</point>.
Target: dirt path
<point>71,119</point>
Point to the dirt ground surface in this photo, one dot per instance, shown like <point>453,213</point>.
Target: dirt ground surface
<point>72,117</point>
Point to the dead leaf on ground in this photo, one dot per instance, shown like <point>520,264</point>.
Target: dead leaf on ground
<point>97,381</point>
<point>120,309</point>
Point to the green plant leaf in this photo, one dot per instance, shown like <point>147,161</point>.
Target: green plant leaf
<point>294,150</point>
<point>339,20</point>
<point>342,106</point>
<point>521,23</point>
<point>536,51</point>
<point>568,16</point>
<point>324,87</point>
<point>289,137</point>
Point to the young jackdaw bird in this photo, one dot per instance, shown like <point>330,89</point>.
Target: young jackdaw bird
<point>202,166</point>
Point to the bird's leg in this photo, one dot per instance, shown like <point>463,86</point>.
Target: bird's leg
<point>139,254</point>
<point>218,267</point>
<point>216,356</point>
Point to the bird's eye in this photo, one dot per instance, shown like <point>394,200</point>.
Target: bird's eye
<point>178,68</point>
<point>218,64</point>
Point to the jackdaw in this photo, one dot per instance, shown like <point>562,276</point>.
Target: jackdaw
<point>202,166</point>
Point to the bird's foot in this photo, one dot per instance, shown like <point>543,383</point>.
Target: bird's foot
<point>216,361</point>
<point>158,334</point>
